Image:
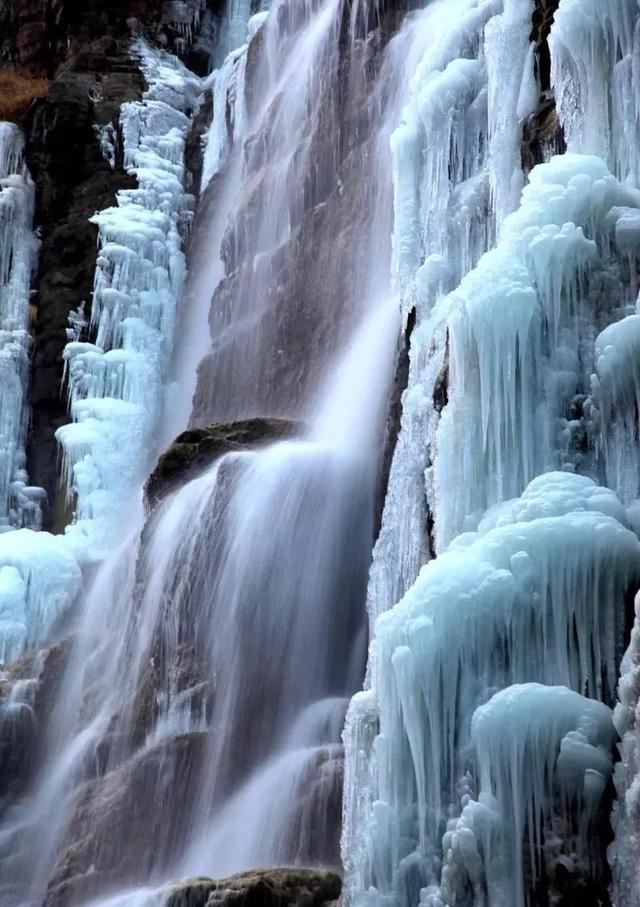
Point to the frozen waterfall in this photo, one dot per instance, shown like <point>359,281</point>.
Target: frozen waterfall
<point>467,780</point>
<point>372,609</point>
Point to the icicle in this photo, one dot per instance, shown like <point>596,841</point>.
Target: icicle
<point>537,599</point>
<point>19,504</point>
<point>516,340</point>
<point>116,385</point>
<point>592,73</point>
<point>556,757</point>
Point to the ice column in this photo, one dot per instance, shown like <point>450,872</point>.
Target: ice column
<point>519,328</point>
<point>19,504</point>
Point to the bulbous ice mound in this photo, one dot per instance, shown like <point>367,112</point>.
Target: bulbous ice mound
<point>538,593</point>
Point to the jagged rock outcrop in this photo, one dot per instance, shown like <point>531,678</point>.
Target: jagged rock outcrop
<point>260,888</point>
<point>194,450</point>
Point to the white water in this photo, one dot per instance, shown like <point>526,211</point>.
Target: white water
<point>255,570</point>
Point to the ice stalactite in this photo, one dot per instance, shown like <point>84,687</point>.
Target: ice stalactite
<point>520,330</point>
<point>456,173</point>
<point>19,503</point>
<point>522,363</point>
<point>537,595</point>
<point>38,576</point>
<point>594,52</point>
<point>623,852</point>
<point>117,383</point>
<point>555,761</point>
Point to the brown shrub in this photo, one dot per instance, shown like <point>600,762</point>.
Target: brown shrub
<point>17,91</point>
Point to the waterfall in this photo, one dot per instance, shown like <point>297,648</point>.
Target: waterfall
<point>371,609</point>
<point>215,652</point>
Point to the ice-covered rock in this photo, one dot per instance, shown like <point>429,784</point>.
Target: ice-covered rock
<point>117,383</point>
<point>19,503</point>
<point>538,594</point>
<point>39,579</point>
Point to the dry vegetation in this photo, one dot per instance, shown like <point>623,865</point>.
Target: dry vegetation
<point>17,91</point>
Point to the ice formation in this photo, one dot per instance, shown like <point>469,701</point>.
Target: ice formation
<point>456,172</point>
<point>537,596</point>
<point>557,751</point>
<point>39,579</point>
<point>594,73</point>
<point>19,503</point>
<point>117,383</point>
<point>623,852</point>
<point>519,328</point>
<point>522,365</point>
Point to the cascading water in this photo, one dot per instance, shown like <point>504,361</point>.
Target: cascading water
<point>224,651</point>
<point>368,172</point>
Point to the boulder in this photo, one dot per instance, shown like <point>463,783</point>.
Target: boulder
<point>279,887</point>
<point>194,450</point>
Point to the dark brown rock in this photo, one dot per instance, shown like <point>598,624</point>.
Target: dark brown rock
<point>194,450</point>
<point>542,135</point>
<point>261,888</point>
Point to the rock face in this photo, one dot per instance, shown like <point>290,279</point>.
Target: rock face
<point>305,314</point>
<point>28,693</point>
<point>542,134</point>
<point>260,888</point>
<point>194,450</point>
<point>128,821</point>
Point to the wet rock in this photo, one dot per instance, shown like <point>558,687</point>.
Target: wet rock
<point>394,415</point>
<point>194,150</point>
<point>28,691</point>
<point>543,15</point>
<point>129,821</point>
<point>194,450</point>
<point>542,135</point>
<point>314,836</point>
<point>441,385</point>
<point>260,888</point>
